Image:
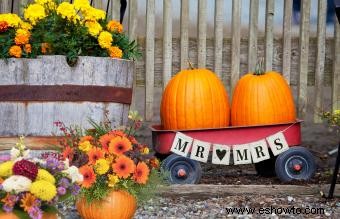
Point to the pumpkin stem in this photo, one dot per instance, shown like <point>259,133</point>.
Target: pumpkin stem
<point>190,65</point>
<point>259,68</point>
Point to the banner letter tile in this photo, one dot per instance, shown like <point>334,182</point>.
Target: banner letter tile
<point>259,151</point>
<point>241,154</point>
<point>277,143</point>
<point>221,154</point>
<point>200,151</point>
<point>181,144</point>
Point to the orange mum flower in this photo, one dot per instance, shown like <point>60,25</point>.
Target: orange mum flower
<point>3,26</point>
<point>15,51</point>
<point>22,37</point>
<point>115,52</point>
<point>115,26</point>
<point>86,138</point>
<point>28,48</point>
<point>123,166</point>
<point>119,145</point>
<point>45,48</point>
<point>105,141</point>
<point>28,201</point>
<point>95,154</point>
<point>89,176</point>
<point>141,173</point>
<point>68,153</point>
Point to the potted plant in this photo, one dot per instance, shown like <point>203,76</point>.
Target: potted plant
<point>31,187</point>
<point>118,171</point>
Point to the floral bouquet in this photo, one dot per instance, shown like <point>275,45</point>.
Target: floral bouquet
<point>116,168</point>
<point>31,187</point>
<point>62,28</point>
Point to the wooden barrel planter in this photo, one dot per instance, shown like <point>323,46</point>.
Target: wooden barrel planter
<point>34,93</point>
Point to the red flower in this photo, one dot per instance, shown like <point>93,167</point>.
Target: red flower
<point>25,168</point>
<point>3,26</point>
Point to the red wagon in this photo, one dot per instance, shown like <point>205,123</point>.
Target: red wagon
<point>295,163</point>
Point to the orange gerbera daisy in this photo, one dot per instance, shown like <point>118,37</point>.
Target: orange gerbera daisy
<point>123,166</point>
<point>28,201</point>
<point>119,145</point>
<point>89,176</point>
<point>118,133</point>
<point>86,138</point>
<point>105,140</point>
<point>95,154</point>
<point>141,173</point>
<point>68,153</point>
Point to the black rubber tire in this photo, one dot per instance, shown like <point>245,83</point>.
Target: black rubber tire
<point>266,168</point>
<point>174,161</point>
<point>284,162</point>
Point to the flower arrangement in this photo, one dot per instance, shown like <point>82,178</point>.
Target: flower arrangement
<point>62,28</point>
<point>31,186</point>
<point>111,159</point>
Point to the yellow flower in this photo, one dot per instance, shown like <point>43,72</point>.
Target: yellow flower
<point>93,14</point>
<point>337,112</point>
<point>22,37</point>
<point>102,166</point>
<point>15,51</point>
<point>12,20</point>
<point>105,39</point>
<point>93,27</point>
<point>34,13</point>
<point>45,175</point>
<point>81,4</point>
<point>115,52</point>
<point>85,146</point>
<point>68,11</point>
<point>145,150</point>
<point>115,26</point>
<point>25,26</point>
<point>43,190</point>
<point>48,4</point>
<point>6,169</point>
<point>113,180</point>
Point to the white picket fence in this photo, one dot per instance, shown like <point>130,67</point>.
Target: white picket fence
<point>148,66</point>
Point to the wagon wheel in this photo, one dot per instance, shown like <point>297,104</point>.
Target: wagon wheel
<point>266,168</point>
<point>182,170</point>
<point>297,163</point>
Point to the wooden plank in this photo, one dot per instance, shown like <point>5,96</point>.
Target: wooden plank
<point>184,34</point>
<point>202,33</point>
<point>336,69</point>
<point>269,35</point>
<point>115,9</point>
<point>149,59</point>
<point>167,42</point>
<point>219,6</point>
<point>68,93</point>
<point>252,44</point>
<point>287,37</point>
<point>133,14</point>
<point>22,3</point>
<point>303,61</point>
<point>35,143</point>
<point>236,44</point>
<point>204,191</point>
<point>320,59</point>
<point>5,6</point>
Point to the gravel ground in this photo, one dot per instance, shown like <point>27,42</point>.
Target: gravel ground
<point>216,207</point>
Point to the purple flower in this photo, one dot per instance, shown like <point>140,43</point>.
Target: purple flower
<point>54,164</point>
<point>7,208</point>
<point>61,190</point>
<point>35,213</point>
<point>64,182</point>
<point>4,157</point>
<point>75,189</point>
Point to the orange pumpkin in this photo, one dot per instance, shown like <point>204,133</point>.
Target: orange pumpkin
<point>45,215</point>
<point>117,205</point>
<point>262,98</point>
<point>195,99</point>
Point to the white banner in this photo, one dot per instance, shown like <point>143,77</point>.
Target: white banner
<point>252,152</point>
